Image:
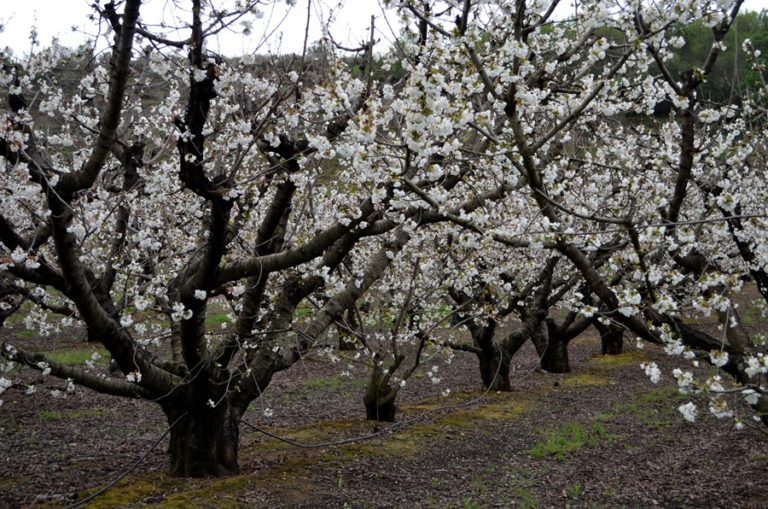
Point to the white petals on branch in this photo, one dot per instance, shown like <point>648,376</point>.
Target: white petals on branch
<point>180,312</point>
<point>757,364</point>
<point>718,358</point>
<point>688,411</point>
<point>652,371</point>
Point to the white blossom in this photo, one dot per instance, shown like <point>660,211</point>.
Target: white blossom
<point>689,411</point>
<point>652,371</point>
<point>4,384</point>
<point>718,358</point>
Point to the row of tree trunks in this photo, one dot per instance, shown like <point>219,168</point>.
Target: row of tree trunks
<point>551,346</point>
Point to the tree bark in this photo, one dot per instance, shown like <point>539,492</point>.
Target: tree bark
<point>494,369</point>
<point>379,398</point>
<point>380,407</point>
<point>555,358</point>
<point>204,442</point>
<point>611,338</point>
<point>539,339</point>
<point>346,338</point>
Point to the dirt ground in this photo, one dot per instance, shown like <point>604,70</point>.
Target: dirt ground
<point>601,436</point>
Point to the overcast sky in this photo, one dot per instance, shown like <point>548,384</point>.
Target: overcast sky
<point>56,18</point>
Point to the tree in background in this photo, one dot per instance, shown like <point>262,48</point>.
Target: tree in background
<point>733,76</point>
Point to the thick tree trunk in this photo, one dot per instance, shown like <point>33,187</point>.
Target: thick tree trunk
<point>611,338</point>
<point>540,339</point>
<point>380,408</point>
<point>555,357</point>
<point>379,398</point>
<point>204,442</point>
<point>494,369</point>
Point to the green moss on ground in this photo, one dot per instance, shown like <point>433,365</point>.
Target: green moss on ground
<point>623,360</point>
<point>585,380</point>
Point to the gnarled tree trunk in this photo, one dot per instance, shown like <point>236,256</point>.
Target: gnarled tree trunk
<point>204,441</point>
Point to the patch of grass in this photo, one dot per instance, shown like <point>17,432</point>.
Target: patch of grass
<point>321,432</point>
<point>216,319</point>
<point>468,503</point>
<point>330,384</point>
<point>218,493</point>
<point>479,496</point>
<point>619,361</point>
<point>603,417</point>
<point>468,418</point>
<point>126,493</point>
<point>568,439</point>
<point>51,415</point>
<point>527,499</point>
<point>26,333</point>
<point>504,409</point>
<point>575,490</point>
<point>86,413</point>
<point>303,312</point>
<point>522,486</point>
<point>71,357</point>
<point>479,485</point>
<point>584,380</point>
<point>654,409</point>
<point>437,402</point>
<point>404,443</point>
<point>163,491</point>
<point>408,440</point>
<point>663,395</point>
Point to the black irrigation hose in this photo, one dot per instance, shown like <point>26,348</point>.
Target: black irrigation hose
<point>130,469</point>
<point>400,424</point>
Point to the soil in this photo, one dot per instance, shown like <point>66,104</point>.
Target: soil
<point>601,436</point>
